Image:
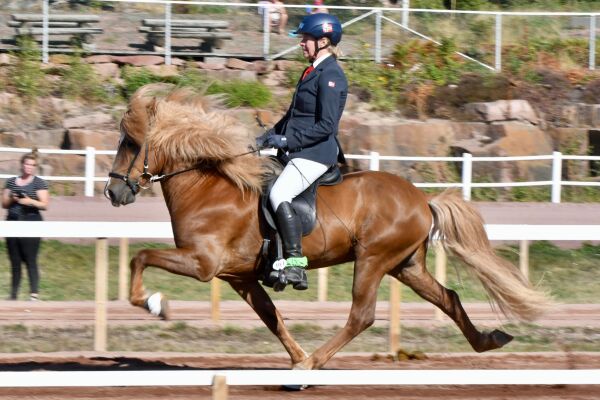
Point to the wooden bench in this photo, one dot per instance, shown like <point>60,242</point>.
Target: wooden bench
<point>211,33</point>
<point>77,27</point>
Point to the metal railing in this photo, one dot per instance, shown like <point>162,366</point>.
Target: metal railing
<point>381,14</point>
<point>466,160</point>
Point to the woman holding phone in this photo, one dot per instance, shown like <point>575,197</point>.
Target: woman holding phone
<point>24,196</point>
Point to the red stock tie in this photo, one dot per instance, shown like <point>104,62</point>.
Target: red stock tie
<point>307,71</point>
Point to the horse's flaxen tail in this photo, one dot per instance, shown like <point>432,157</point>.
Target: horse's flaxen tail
<point>460,228</point>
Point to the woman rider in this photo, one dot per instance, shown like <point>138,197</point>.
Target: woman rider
<point>307,134</point>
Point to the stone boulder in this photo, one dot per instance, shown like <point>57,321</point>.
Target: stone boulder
<point>138,61</point>
<point>509,139</point>
<point>107,70</point>
<point>587,115</point>
<point>502,110</point>
<point>97,138</point>
<point>86,121</point>
<point>390,136</point>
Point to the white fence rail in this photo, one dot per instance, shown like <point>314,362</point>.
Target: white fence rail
<point>299,377</point>
<point>466,160</point>
<point>403,13</point>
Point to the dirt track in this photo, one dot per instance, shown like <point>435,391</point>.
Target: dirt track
<point>197,313</point>
<point>108,361</point>
<point>45,313</point>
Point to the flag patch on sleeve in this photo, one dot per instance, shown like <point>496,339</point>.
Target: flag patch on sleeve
<point>331,84</point>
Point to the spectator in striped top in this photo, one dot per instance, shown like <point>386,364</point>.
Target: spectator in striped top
<point>24,196</point>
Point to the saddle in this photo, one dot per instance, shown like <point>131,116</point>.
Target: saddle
<point>305,206</point>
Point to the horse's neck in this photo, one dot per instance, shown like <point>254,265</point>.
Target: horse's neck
<point>197,192</point>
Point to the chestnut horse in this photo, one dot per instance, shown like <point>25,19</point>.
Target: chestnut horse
<point>212,183</point>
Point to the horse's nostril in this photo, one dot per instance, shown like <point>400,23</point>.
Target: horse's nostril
<point>110,195</point>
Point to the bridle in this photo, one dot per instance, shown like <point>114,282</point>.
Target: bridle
<point>146,179</point>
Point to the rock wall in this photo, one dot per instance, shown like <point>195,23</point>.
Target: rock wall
<point>502,128</point>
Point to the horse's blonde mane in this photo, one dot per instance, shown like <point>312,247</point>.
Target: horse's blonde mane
<point>190,128</point>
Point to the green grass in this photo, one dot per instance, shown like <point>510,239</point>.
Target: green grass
<point>67,273</point>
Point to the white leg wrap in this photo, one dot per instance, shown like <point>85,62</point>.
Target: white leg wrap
<point>154,303</point>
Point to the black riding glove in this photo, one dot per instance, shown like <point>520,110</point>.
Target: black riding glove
<point>277,141</point>
<point>261,141</point>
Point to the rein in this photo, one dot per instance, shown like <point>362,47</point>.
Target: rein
<point>146,179</point>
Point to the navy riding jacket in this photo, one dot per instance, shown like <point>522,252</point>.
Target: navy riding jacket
<point>311,123</point>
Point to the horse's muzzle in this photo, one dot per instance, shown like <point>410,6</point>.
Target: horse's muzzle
<point>118,193</point>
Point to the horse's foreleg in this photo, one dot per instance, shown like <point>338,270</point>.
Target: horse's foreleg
<point>256,296</point>
<point>177,261</point>
<point>415,275</point>
<point>362,316</point>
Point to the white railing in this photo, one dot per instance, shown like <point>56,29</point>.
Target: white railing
<point>221,378</point>
<point>555,182</point>
<point>404,13</point>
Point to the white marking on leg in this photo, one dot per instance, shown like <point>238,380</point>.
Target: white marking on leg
<point>154,303</point>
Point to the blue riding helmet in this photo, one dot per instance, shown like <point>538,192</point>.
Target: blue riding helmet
<point>321,25</point>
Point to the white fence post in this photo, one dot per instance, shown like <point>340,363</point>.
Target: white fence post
<point>90,170</point>
<point>498,37</point>
<point>405,7</point>
<point>266,32</point>
<point>45,18</point>
<point>592,55</point>
<point>467,175</point>
<point>123,270</point>
<point>168,33</point>
<point>100,327</point>
<point>378,36</point>
<point>374,161</point>
<point>556,176</point>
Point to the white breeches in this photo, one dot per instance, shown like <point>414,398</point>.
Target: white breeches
<point>295,178</point>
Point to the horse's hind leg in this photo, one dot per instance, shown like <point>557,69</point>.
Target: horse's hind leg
<point>362,313</point>
<point>415,275</point>
<point>256,296</point>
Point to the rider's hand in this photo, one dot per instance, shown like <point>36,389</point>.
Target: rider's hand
<point>261,141</point>
<point>277,141</point>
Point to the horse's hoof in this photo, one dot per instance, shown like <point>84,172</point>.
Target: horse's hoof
<point>158,305</point>
<point>500,338</point>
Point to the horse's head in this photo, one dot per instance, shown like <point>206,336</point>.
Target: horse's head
<point>130,171</point>
<point>168,131</point>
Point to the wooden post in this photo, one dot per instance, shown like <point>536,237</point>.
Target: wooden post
<point>215,299</point>
<point>101,294</point>
<point>394,317</point>
<point>524,257</point>
<point>219,388</point>
<point>440,272</point>
<point>123,264</point>
<point>322,285</point>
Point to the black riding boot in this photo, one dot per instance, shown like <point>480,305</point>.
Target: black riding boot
<point>290,229</point>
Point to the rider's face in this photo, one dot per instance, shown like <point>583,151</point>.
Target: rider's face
<point>308,45</point>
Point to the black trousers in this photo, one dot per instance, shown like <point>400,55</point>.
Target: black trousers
<point>23,250</point>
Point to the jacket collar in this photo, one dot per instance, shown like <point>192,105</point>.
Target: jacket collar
<point>321,65</point>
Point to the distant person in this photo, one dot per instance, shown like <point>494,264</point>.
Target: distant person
<point>24,196</point>
<point>319,8</point>
<point>277,14</point>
